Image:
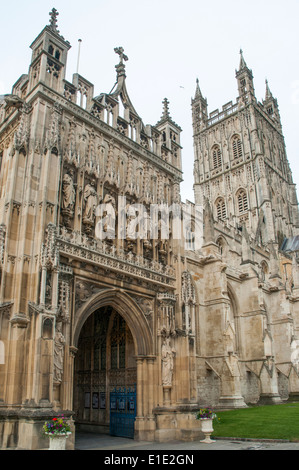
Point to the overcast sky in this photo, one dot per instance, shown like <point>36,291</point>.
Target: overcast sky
<point>169,44</point>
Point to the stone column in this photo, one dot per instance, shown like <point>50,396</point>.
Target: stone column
<point>139,421</point>
<point>43,286</point>
<point>139,390</point>
<point>151,399</point>
<point>55,289</point>
<point>16,360</point>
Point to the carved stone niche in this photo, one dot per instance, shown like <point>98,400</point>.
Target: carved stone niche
<point>47,328</point>
<point>68,196</point>
<point>166,314</point>
<point>90,203</point>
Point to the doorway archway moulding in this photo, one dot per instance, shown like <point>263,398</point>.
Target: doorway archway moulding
<point>127,308</point>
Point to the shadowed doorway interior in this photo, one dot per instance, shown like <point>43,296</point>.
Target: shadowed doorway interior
<point>105,362</point>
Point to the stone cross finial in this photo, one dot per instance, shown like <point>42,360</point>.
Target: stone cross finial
<point>53,19</point>
<point>120,52</point>
<point>165,108</point>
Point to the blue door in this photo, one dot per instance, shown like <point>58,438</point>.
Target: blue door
<point>122,412</point>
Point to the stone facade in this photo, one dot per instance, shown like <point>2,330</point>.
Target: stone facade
<point>87,306</point>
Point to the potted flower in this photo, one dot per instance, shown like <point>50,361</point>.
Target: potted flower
<point>206,416</point>
<point>58,431</point>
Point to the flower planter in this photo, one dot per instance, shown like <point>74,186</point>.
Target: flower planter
<point>58,431</point>
<point>58,441</point>
<point>207,429</point>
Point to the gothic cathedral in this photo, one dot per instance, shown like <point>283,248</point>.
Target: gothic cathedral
<point>107,306</point>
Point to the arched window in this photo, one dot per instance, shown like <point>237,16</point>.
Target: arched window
<point>217,158</point>
<point>223,246</point>
<point>264,270</point>
<point>118,343</point>
<point>242,201</point>
<point>221,209</point>
<point>237,147</point>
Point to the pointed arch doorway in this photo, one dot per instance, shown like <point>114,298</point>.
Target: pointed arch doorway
<point>105,371</point>
<point>114,346</point>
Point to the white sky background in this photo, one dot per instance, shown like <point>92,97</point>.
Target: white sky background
<point>169,44</point>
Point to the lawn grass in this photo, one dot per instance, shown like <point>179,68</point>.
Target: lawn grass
<point>259,422</point>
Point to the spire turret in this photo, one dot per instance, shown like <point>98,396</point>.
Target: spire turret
<point>245,82</point>
<point>199,109</point>
<point>170,133</point>
<point>198,94</point>
<point>243,64</point>
<point>271,105</point>
<point>49,56</point>
<point>268,95</point>
<point>166,115</point>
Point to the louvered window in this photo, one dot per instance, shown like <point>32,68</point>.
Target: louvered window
<point>221,209</point>
<point>237,147</point>
<point>217,159</point>
<point>242,202</point>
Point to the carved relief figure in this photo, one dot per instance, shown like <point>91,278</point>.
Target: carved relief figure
<point>91,201</point>
<point>59,343</point>
<point>68,195</point>
<point>109,216</point>
<point>168,354</point>
<point>131,222</point>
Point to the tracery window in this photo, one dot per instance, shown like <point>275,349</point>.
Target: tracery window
<point>223,247</point>
<point>217,157</point>
<point>242,201</point>
<point>118,343</point>
<point>100,333</point>
<point>221,209</point>
<point>237,147</point>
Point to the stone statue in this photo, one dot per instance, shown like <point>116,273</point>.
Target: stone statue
<point>110,216</point>
<point>91,201</point>
<point>68,194</point>
<point>59,343</point>
<point>168,354</point>
<point>131,223</point>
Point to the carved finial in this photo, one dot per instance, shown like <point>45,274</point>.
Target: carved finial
<point>165,109</point>
<point>120,68</point>
<point>53,19</point>
<point>122,56</point>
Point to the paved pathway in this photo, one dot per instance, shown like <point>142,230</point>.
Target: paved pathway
<point>102,442</point>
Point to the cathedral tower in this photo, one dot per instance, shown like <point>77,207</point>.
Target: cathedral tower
<point>241,165</point>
